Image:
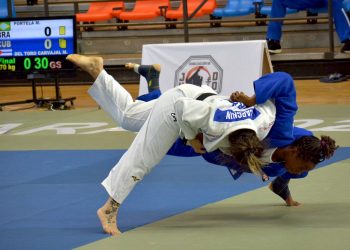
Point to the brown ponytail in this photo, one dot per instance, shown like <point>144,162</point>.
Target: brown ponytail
<point>246,148</point>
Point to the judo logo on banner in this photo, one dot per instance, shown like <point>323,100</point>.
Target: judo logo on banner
<point>200,70</point>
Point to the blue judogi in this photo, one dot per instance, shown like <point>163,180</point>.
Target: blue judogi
<point>341,20</point>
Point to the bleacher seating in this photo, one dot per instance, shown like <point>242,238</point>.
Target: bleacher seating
<point>101,11</point>
<point>206,9</point>
<point>298,34</point>
<point>266,10</point>
<point>235,8</point>
<point>145,10</point>
<point>4,10</point>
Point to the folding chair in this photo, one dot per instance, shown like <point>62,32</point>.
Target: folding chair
<point>145,9</point>
<point>100,11</point>
<point>192,5</point>
<point>235,8</point>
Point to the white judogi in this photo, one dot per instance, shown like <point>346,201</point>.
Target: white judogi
<point>118,103</point>
<point>175,113</point>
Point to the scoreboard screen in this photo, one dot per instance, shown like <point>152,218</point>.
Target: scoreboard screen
<point>38,44</point>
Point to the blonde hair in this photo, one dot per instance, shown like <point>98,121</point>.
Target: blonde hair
<point>247,149</point>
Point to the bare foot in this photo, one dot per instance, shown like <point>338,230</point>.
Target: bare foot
<point>130,65</point>
<point>289,201</point>
<point>92,65</point>
<point>108,221</point>
<point>157,67</point>
<point>292,203</point>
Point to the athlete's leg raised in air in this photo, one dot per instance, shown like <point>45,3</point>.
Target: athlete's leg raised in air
<point>111,96</point>
<point>149,72</point>
<point>151,144</point>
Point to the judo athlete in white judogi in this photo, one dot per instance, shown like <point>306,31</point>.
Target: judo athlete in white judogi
<point>176,113</point>
<point>184,111</point>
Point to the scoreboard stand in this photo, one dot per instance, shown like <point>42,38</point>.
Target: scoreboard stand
<point>53,103</point>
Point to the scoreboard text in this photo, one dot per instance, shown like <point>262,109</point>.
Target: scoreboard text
<point>37,44</point>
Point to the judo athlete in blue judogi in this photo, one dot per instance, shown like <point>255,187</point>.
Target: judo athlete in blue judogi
<point>279,8</point>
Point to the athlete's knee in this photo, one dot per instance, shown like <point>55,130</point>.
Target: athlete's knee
<point>130,125</point>
<point>287,81</point>
<point>284,76</point>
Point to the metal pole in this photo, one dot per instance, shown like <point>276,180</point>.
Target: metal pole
<point>57,89</point>
<point>9,8</point>
<point>197,9</point>
<point>46,8</point>
<point>185,11</point>
<point>34,91</point>
<point>331,29</point>
<point>76,8</point>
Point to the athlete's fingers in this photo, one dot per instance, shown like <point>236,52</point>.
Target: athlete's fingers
<point>197,146</point>
<point>200,150</point>
<point>234,96</point>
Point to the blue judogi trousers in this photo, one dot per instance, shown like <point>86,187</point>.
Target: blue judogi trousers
<point>279,7</point>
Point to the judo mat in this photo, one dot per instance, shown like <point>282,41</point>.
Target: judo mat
<point>52,163</point>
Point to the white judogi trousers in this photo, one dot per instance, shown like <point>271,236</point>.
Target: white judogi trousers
<point>118,103</point>
<point>157,126</point>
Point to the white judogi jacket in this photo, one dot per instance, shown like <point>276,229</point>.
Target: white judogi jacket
<point>216,117</point>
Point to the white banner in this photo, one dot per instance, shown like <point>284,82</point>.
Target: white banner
<point>225,66</point>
